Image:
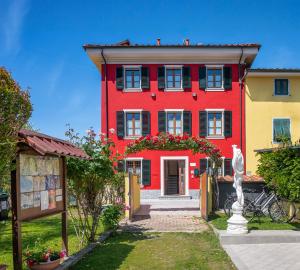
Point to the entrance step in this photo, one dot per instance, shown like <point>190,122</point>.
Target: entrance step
<point>175,197</point>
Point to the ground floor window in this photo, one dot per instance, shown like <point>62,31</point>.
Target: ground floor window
<point>134,167</point>
<point>281,129</point>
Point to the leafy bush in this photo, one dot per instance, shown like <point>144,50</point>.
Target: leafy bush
<point>111,216</point>
<point>281,171</point>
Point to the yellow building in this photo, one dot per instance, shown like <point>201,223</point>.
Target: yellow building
<point>272,109</point>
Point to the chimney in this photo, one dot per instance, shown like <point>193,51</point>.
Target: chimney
<point>186,42</point>
<point>158,42</point>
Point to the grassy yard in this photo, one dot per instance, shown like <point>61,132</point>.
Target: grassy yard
<point>158,251</point>
<point>219,220</point>
<point>48,229</point>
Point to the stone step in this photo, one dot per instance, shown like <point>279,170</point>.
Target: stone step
<point>260,237</point>
<point>175,197</point>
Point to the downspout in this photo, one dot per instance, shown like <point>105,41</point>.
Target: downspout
<point>106,92</point>
<point>241,100</point>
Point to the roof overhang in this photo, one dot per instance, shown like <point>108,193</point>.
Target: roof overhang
<point>171,55</point>
<point>274,73</point>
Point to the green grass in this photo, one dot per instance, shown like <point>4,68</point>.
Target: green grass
<point>219,221</point>
<point>48,229</point>
<point>158,251</point>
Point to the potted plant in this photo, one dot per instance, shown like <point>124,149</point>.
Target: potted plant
<point>43,258</point>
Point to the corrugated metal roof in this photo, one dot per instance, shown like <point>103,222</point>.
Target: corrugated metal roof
<point>118,45</point>
<point>45,144</point>
<point>252,178</point>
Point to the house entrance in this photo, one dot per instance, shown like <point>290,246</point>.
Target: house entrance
<point>174,177</point>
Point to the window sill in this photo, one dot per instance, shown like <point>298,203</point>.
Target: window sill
<point>131,137</point>
<point>174,89</point>
<point>215,89</point>
<point>274,95</point>
<point>215,137</point>
<point>133,90</point>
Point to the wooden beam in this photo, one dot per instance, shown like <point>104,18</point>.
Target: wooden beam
<point>64,215</point>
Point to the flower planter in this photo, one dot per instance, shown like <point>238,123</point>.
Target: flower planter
<point>46,265</point>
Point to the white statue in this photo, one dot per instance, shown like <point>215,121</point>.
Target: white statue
<point>238,168</point>
<point>237,224</point>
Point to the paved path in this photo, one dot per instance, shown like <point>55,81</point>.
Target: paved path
<point>167,216</point>
<point>284,256</point>
<point>263,250</point>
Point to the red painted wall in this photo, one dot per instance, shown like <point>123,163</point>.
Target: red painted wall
<point>119,100</point>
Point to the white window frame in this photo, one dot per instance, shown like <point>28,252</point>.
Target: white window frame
<point>215,89</point>
<point>174,111</point>
<point>215,111</point>
<point>279,118</point>
<point>223,165</point>
<point>138,89</point>
<point>166,84</point>
<point>125,123</point>
<point>135,159</point>
<point>274,87</point>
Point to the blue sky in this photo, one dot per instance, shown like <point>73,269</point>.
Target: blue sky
<point>41,44</point>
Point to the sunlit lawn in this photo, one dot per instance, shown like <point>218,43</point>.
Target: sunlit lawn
<point>158,251</point>
<point>48,229</point>
<point>219,220</point>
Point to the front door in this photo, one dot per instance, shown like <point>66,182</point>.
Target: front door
<point>174,174</point>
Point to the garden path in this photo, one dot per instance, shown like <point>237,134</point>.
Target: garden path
<point>166,216</point>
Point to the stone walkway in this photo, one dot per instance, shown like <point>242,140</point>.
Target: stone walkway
<point>166,216</point>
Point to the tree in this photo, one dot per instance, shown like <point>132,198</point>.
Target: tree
<point>92,182</point>
<point>15,110</point>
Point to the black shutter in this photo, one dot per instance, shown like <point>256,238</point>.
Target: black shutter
<point>202,78</point>
<point>161,78</point>
<point>186,77</point>
<point>203,123</point>
<point>120,124</point>
<point>119,78</point>
<point>228,123</point>
<point>187,122</point>
<point>145,78</point>
<point>227,166</point>
<point>227,77</point>
<point>146,164</point>
<point>145,123</point>
<point>120,166</point>
<point>162,121</point>
<point>203,165</point>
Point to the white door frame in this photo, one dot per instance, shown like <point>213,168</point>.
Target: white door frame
<point>162,172</point>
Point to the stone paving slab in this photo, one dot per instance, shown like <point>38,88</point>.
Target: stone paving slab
<point>164,223</point>
<point>277,256</point>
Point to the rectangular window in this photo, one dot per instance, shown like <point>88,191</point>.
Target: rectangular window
<point>281,129</point>
<point>132,78</point>
<point>281,87</point>
<point>174,78</point>
<point>134,167</point>
<point>174,123</point>
<point>133,124</point>
<point>214,77</point>
<point>215,123</point>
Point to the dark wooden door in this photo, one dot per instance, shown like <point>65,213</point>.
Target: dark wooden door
<point>181,176</point>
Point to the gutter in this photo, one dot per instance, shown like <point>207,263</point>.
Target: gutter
<point>106,92</point>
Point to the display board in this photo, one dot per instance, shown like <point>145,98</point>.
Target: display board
<point>40,186</point>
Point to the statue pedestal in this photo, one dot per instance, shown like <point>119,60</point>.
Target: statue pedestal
<point>237,224</point>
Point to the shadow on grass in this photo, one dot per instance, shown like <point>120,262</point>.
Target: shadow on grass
<point>219,220</point>
<point>111,254</point>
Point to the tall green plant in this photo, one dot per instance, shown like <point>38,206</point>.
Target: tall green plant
<point>92,182</point>
<point>281,171</point>
<point>15,110</point>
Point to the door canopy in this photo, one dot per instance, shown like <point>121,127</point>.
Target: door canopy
<point>166,141</point>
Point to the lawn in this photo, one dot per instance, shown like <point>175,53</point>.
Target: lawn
<point>48,229</point>
<point>158,251</point>
<point>219,220</point>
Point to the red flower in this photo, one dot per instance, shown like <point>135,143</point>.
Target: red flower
<point>30,262</point>
<point>185,136</point>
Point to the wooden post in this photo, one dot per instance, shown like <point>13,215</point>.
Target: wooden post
<point>204,195</point>
<point>64,215</point>
<point>16,223</point>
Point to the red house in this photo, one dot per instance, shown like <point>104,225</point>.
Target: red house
<point>194,89</point>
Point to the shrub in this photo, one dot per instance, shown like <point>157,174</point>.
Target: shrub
<point>111,216</point>
<point>281,171</point>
